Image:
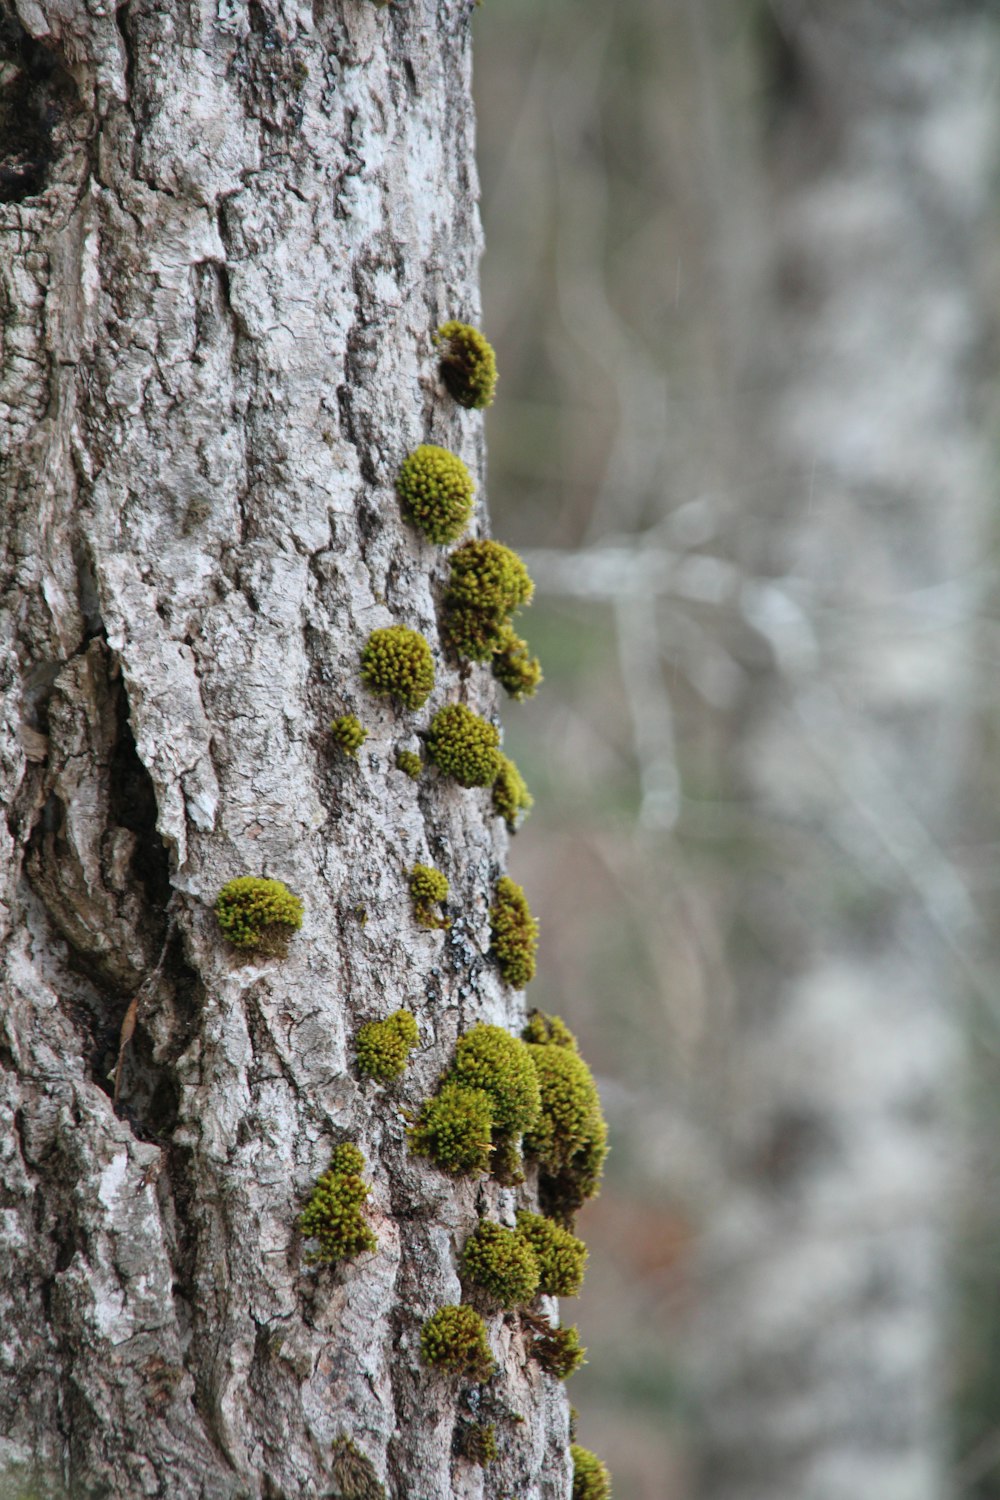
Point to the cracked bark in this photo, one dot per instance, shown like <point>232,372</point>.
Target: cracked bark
<point>228,233</point>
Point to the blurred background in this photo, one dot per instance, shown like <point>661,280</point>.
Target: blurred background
<point>742,279</point>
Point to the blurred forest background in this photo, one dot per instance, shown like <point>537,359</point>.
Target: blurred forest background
<point>742,278</point>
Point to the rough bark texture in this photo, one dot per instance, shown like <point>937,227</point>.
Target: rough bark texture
<point>227,233</point>
<point>826,1271</point>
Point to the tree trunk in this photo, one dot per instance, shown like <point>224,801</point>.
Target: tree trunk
<point>826,1272</point>
<point>228,233</point>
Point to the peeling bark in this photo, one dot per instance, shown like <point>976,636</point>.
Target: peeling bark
<point>228,233</point>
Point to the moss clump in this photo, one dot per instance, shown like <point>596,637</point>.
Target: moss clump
<point>352,1474</point>
<point>479,1443</point>
<point>332,1216</point>
<point>454,1129</point>
<point>517,673</point>
<point>429,888</point>
<point>560,1255</point>
<point>257,914</point>
<point>409,762</point>
<point>464,746</point>
<point>511,798</point>
<point>545,1030</point>
<point>591,1480</point>
<point>502,1262</point>
<point>484,1103</point>
<point>570,1139</point>
<point>513,934</point>
<point>488,583</point>
<point>383,1047</point>
<point>436,491</point>
<point>454,1339</point>
<point>490,1059</point>
<point>468,364</point>
<point>397,662</point>
<point>557,1350</point>
<point>348,734</point>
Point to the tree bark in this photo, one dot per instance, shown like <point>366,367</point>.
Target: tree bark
<point>228,233</point>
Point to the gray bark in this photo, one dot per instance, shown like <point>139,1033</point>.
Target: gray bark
<point>826,1268</point>
<point>228,233</point>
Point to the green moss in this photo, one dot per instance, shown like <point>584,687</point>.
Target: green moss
<point>436,491</point>
<point>464,746</point>
<point>557,1350</point>
<point>352,1474</point>
<point>511,798</point>
<point>479,1443</point>
<point>513,934</point>
<point>258,914</point>
<point>591,1480</point>
<point>570,1139</point>
<point>428,888</point>
<point>397,662</point>
<point>409,762</point>
<point>517,673</point>
<point>503,1263</point>
<point>560,1255</point>
<point>454,1129</point>
<point>332,1216</point>
<point>348,734</point>
<point>468,364</point>
<point>454,1339</point>
<point>484,1103</point>
<point>546,1030</point>
<point>490,1059</point>
<point>488,583</point>
<point>384,1047</point>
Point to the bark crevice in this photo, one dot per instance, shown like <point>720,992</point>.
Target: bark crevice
<point>38,99</point>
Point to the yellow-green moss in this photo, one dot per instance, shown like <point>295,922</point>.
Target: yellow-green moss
<point>384,1047</point>
<point>258,914</point>
<point>483,1104</point>
<point>468,364</point>
<point>332,1216</point>
<point>546,1030</point>
<point>560,1255</point>
<point>464,746</point>
<point>454,1339</point>
<point>397,662</point>
<point>511,798</point>
<point>479,1443</point>
<point>591,1480</point>
<point>488,583</point>
<point>409,762</point>
<point>557,1350</point>
<point>513,934</point>
<point>436,491</point>
<point>489,1058</point>
<point>454,1129</point>
<point>502,1262</point>
<point>570,1106</point>
<point>570,1139</point>
<point>518,673</point>
<point>352,1474</point>
<point>348,734</point>
<point>428,888</point>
